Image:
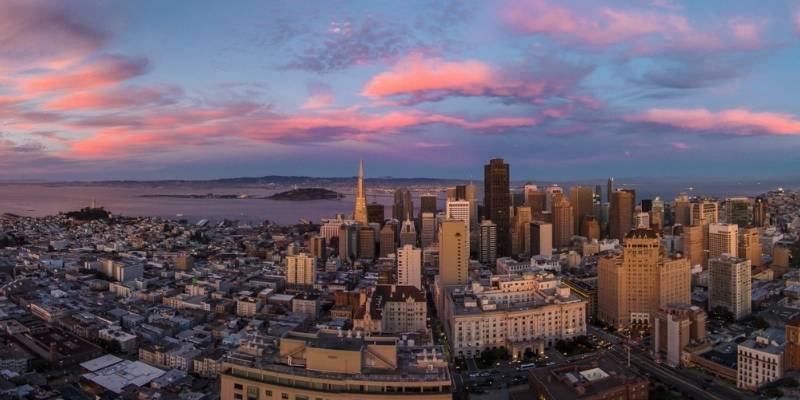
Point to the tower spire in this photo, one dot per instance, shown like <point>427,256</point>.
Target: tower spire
<point>360,212</point>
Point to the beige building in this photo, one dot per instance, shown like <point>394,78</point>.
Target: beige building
<point>393,309</point>
<point>409,266</point>
<point>301,270</point>
<point>723,239</point>
<point>453,256</point>
<point>674,328</point>
<point>729,285</point>
<point>528,312</point>
<point>760,361</point>
<point>750,246</point>
<point>520,235</point>
<point>563,225</point>
<point>582,200</point>
<point>703,212</point>
<point>327,366</point>
<point>693,244</point>
<point>634,285</point>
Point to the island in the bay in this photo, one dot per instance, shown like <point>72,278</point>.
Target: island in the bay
<point>305,194</point>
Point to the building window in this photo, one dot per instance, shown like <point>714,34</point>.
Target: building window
<point>285,396</point>
<point>238,386</point>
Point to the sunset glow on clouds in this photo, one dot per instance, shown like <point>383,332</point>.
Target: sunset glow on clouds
<point>99,92</point>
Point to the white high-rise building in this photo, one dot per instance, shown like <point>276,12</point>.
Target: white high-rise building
<point>409,266</point>
<point>723,239</point>
<point>459,209</point>
<point>729,285</point>
<point>488,242</point>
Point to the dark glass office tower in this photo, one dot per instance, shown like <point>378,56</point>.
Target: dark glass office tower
<point>497,201</point>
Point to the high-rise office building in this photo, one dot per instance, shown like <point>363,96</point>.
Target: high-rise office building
<point>760,217</point>
<point>582,200</point>
<point>537,201</point>
<point>488,242</point>
<point>317,247</point>
<point>403,207</point>
<point>348,242</point>
<point>590,227</point>
<point>681,209</point>
<point>729,285</point>
<point>552,194</point>
<point>427,234</point>
<point>427,203</point>
<point>598,194</point>
<point>497,201</point>
<point>693,244</point>
<point>620,218</point>
<point>388,240</point>
<point>609,189</point>
<point>562,223</point>
<point>641,220</point>
<point>460,210</point>
<point>409,266</point>
<point>541,237</point>
<point>375,213</point>
<point>453,256</point>
<point>750,245</point>
<point>366,243</point>
<point>473,205</point>
<point>519,231</point>
<point>360,213</point>
<point>703,212</point>
<point>738,210</point>
<point>408,233</point>
<point>301,270</point>
<point>647,205</point>
<point>633,286</point>
<point>723,239</point>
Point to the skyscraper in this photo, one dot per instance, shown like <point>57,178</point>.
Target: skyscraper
<point>375,213</point>
<point>633,286</point>
<point>360,213</point>
<point>590,227</point>
<point>408,233</point>
<point>519,231</point>
<point>453,257</point>
<point>609,189</point>
<point>403,207</point>
<point>317,247</point>
<point>582,200</point>
<point>497,201</point>
<point>738,210</point>
<point>681,209</point>
<point>366,243</point>
<point>723,239</point>
<point>562,222</point>
<point>729,285</point>
<point>760,217</point>
<point>409,266</point>
<point>703,212</point>
<point>541,237</point>
<point>750,245</point>
<point>488,243</point>
<point>427,224</point>
<point>427,203</point>
<point>388,242</point>
<point>693,244</point>
<point>620,219</point>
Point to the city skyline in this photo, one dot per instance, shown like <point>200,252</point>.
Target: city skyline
<point>152,91</point>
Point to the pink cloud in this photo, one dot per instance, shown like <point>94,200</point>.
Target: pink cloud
<point>737,121</point>
<point>646,31</point>
<point>164,132</point>
<point>680,146</point>
<point>429,145</point>
<point>106,70</point>
<point>38,33</point>
<point>320,96</point>
<point>115,98</point>
<point>418,79</point>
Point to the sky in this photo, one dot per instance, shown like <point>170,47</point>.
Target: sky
<point>560,89</point>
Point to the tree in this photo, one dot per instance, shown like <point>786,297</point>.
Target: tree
<point>761,323</point>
